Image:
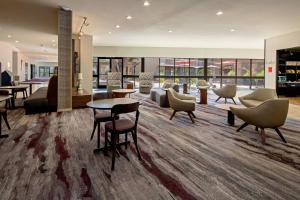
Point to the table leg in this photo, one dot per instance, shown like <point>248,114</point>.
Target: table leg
<point>13,99</point>
<point>230,118</point>
<point>30,89</point>
<point>2,136</point>
<point>103,149</point>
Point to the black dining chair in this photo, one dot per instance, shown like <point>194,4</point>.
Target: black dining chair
<point>100,116</point>
<point>122,126</point>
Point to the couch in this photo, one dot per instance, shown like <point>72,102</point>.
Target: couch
<point>43,99</point>
<point>159,95</point>
<point>257,97</point>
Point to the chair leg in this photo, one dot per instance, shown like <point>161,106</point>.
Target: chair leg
<point>256,128</point>
<point>95,124</point>
<point>106,139</point>
<point>218,99</point>
<point>126,140</point>
<point>26,93</point>
<point>4,115</point>
<point>193,114</point>
<point>243,126</point>
<point>280,135</point>
<point>114,148</point>
<point>191,117</point>
<point>233,100</point>
<point>263,136</point>
<point>174,112</point>
<point>98,135</point>
<point>225,100</point>
<point>134,136</point>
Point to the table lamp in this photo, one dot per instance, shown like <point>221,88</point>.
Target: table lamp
<point>79,77</point>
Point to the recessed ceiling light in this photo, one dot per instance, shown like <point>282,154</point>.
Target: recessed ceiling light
<point>129,17</point>
<point>9,36</point>
<point>53,40</point>
<point>170,31</point>
<point>118,26</point>
<point>146,3</point>
<point>109,32</point>
<point>219,13</point>
<point>17,41</point>
<point>232,30</point>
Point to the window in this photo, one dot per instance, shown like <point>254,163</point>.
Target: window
<point>244,83</point>
<point>258,68</point>
<point>243,67</point>
<point>197,67</point>
<point>131,70</point>
<point>166,66</point>
<point>228,67</point>
<point>152,65</point>
<point>182,67</point>
<point>214,67</point>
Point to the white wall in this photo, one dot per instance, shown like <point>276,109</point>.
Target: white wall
<point>6,56</point>
<point>272,45</point>
<point>107,51</point>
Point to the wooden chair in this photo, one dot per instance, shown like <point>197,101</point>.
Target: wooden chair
<point>122,126</point>
<point>100,116</point>
<point>3,113</point>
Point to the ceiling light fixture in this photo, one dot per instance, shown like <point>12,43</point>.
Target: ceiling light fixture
<point>53,40</point>
<point>17,41</point>
<point>170,31</point>
<point>129,17</point>
<point>84,24</point>
<point>146,3</point>
<point>219,13</point>
<point>9,36</point>
<point>109,32</point>
<point>232,30</point>
<point>118,26</point>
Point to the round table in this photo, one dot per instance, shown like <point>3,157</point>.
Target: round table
<point>107,104</point>
<point>121,93</point>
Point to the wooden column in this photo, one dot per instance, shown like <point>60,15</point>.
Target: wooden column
<point>64,60</point>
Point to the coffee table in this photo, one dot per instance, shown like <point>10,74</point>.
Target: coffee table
<point>230,115</point>
<point>121,93</point>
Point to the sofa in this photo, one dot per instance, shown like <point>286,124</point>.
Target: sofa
<point>159,95</point>
<point>43,99</point>
<point>146,79</point>
<point>257,97</point>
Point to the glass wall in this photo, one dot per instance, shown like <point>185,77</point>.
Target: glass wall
<point>246,73</point>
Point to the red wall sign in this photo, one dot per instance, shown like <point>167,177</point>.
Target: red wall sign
<point>270,69</point>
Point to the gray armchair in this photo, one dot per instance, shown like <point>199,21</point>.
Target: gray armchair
<point>146,79</point>
<point>257,97</point>
<point>114,81</point>
<point>179,102</point>
<point>228,91</point>
<point>270,114</point>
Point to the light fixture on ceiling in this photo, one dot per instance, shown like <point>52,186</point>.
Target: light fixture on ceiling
<point>146,3</point>
<point>17,41</point>
<point>9,36</point>
<point>109,32</point>
<point>232,30</point>
<point>219,13</point>
<point>129,17</point>
<point>53,41</point>
<point>118,26</point>
<point>170,31</point>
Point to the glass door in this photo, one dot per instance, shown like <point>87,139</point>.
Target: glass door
<point>104,68</point>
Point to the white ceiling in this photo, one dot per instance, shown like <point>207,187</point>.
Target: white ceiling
<point>194,22</point>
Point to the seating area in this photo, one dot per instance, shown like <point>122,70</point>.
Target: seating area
<point>147,100</point>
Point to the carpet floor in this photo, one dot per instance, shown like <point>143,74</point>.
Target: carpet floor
<point>50,156</point>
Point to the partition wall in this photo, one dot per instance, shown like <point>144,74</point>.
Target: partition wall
<point>247,73</point>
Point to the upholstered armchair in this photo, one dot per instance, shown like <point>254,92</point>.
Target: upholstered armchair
<point>228,91</point>
<point>270,114</point>
<point>257,97</point>
<point>146,79</point>
<point>179,102</point>
<point>114,81</point>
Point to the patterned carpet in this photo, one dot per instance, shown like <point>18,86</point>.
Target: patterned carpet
<point>51,157</point>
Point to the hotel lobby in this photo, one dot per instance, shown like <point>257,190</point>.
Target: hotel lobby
<point>149,99</point>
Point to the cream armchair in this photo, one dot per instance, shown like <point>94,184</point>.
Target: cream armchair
<point>228,91</point>
<point>114,81</point>
<point>270,114</point>
<point>146,79</point>
<point>257,97</point>
<point>179,102</point>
